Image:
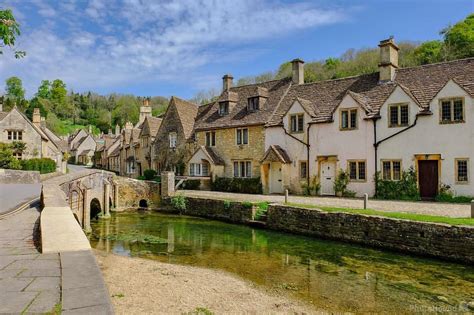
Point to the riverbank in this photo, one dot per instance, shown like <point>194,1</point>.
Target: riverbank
<point>140,286</point>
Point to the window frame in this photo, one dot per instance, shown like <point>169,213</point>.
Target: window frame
<point>399,115</point>
<point>452,120</point>
<point>391,169</point>
<point>237,168</point>
<point>305,175</point>
<point>254,100</point>
<point>357,162</point>
<point>349,112</point>
<point>14,135</point>
<point>242,132</point>
<point>456,171</point>
<point>297,117</point>
<point>175,136</point>
<point>226,108</point>
<point>210,138</point>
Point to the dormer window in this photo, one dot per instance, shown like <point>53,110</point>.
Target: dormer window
<point>296,123</point>
<point>348,119</point>
<point>223,108</point>
<point>253,104</point>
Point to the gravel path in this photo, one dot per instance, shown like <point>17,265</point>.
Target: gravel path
<point>142,286</point>
<point>431,208</point>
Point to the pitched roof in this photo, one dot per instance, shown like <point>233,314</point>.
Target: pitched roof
<point>276,154</point>
<point>421,83</point>
<point>208,116</point>
<point>187,112</point>
<point>3,115</point>
<point>151,126</point>
<point>116,152</point>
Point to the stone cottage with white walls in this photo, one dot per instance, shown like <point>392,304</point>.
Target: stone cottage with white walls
<point>387,122</point>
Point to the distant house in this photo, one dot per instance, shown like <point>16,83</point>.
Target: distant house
<point>148,132</point>
<point>40,141</point>
<point>174,144</point>
<point>82,147</point>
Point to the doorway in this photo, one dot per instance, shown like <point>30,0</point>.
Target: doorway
<point>276,182</point>
<point>428,179</point>
<point>328,175</point>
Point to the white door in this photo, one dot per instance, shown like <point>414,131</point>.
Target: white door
<point>276,183</point>
<point>328,174</point>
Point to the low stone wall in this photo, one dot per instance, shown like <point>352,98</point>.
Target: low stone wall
<point>229,211</point>
<point>131,191</point>
<point>19,177</point>
<point>431,239</point>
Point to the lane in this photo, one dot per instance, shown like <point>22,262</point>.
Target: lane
<point>14,195</point>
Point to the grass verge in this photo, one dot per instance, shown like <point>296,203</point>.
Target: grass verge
<point>394,215</point>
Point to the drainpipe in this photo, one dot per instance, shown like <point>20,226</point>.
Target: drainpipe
<point>305,144</point>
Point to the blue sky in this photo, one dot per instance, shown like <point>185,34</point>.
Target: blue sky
<point>178,48</point>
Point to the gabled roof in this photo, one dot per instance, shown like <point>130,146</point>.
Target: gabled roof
<point>187,112</point>
<point>151,126</point>
<point>214,158</point>
<point>272,91</point>
<point>276,154</point>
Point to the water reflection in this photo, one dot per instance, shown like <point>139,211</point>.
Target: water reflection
<point>330,275</point>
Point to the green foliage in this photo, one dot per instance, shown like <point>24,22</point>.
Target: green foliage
<point>262,208</point>
<point>191,184</point>
<point>179,202</point>
<point>238,185</point>
<point>403,189</point>
<point>200,311</point>
<point>15,91</point>
<point>43,165</point>
<point>9,30</point>
<point>313,188</point>
<point>340,184</point>
<point>136,236</point>
<point>227,204</point>
<point>447,195</point>
<point>7,160</point>
<point>459,39</point>
<point>149,174</point>
<point>247,205</point>
<point>35,103</point>
<point>429,52</point>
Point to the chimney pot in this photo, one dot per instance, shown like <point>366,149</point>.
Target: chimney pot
<point>297,66</point>
<point>388,59</point>
<point>227,82</point>
<point>36,116</point>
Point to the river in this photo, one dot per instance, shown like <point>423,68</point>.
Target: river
<point>329,275</point>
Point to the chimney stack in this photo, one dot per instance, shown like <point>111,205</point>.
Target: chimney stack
<point>1,104</point>
<point>388,59</point>
<point>145,110</point>
<point>128,125</point>
<point>117,129</point>
<point>90,129</point>
<point>227,82</point>
<point>297,67</point>
<point>36,116</point>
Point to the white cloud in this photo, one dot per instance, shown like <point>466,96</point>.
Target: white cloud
<point>128,41</point>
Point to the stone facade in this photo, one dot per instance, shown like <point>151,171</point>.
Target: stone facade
<point>132,191</point>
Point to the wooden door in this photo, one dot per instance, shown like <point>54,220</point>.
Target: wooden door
<point>328,175</point>
<point>276,183</point>
<point>428,179</point>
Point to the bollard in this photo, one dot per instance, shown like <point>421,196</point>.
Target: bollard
<point>366,200</point>
<point>286,195</point>
<point>472,209</point>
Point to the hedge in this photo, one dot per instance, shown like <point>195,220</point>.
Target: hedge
<point>238,185</point>
<point>43,165</point>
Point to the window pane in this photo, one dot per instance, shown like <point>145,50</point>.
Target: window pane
<point>213,139</point>
<point>396,170</point>
<point>242,169</point>
<point>208,141</point>
<point>239,136</point>
<point>236,169</point>
<point>303,169</point>
<point>353,170</point>
<point>386,170</point>
<point>462,171</point>
<point>246,136</point>
<point>344,120</point>
<point>293,123</point>
<point>249,169</point>
<point>353,118</point>
<point>300,122</point>
<point>446,111</point>
<point>361,170</point>
<point>394,116</point>
<point>191,169</point>
<point>205,169</point>
<point>458,112</point>
<point>404,115</point>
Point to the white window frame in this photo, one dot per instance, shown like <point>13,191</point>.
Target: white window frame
<point>391,161</point>
<point>173,139</point>
<point>452,120</point>
<point>243,169</point>
<point>15,135</point>
<point>294,123</point>
<point>240,136</point>
<point>349,120</point>
<point>399,115</point>
<point>224,108</point>
<point>210,139</point>
<point>456,173</point>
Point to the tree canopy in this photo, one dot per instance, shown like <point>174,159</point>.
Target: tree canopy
<point>9,30</point>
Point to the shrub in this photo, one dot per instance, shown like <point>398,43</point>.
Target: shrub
<point>447,195</point>
<point>43,165</point>
<point>404,189</point>
<point>179,202</point>
<point>313,188</point>
<point>247,205</point>
<point>238,185</point>
<point>191,184</point>
<point>262,208</point>
<point>340,185</point>
<point>149,174</point>
<point>226,204</point>
<point>7,160</point>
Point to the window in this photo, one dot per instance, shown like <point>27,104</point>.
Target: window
<point>391,170</point>
<point>296,123</point>
<point>223,108</point>
<point>452,111</point>
<point>253,104</point>
<point>398,115</point>
<point>195,169</point>
<point>348,119</point>
<point>173,139</point>
<point>18,155</point>
<point>357,170</point>
<point>303,169</point>
<point>242,136</point>
<point>462,171</point>
<point>15,135</point>
<point>210,139</point>
<point>242,169</point>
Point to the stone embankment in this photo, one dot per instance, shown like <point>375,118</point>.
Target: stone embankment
<point>455,243</point>
<point>132,191</point>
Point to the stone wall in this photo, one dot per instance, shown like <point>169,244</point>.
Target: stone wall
<point>430,239</point>
<point>131,191</point>
<point>19,177</point>
<point>228,211</point>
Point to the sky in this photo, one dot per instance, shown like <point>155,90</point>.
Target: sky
<point>152,47</point>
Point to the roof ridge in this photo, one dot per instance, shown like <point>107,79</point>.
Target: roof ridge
<point>255,84</point>
<point>436,63</point>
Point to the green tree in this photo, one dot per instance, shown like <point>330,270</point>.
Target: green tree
<point>59,99</point>
<point>7,160</point>
<point>459,39</point>
<point>9,30</point>
<point>14,90</point>
<point>36,103</point>
<point>44,90</point>
<point>429,52</point>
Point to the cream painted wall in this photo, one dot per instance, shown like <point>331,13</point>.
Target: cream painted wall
<point>430,137</point>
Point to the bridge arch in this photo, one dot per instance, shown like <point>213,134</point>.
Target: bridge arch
<point>95,208</point>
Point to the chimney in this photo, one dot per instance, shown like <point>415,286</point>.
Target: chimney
<point>227,82</point>
<point>388,59</point>
<point>117,129</point>
<point>297,66</point>
<point>90,129</point>
<point>36,116</point>
<point>145,110</point>
<point>43,121</point>
<point>110,131</point>
<point>128,125</point>
<point>1,105</point>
